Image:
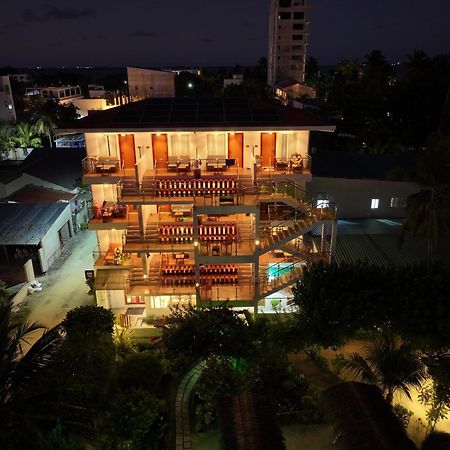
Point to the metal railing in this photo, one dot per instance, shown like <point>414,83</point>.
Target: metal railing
<point>101,165</point>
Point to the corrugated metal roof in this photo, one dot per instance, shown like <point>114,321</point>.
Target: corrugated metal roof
<point>27,223</point>
<point>377,242</point>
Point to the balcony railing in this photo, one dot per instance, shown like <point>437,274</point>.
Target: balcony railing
<point>101,165</point>
<point>109,212</point>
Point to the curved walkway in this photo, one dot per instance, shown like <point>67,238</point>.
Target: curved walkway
<point>183,439</point>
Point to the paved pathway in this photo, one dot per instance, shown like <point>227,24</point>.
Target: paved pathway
<point>183,440</point>
<point>64,286</point>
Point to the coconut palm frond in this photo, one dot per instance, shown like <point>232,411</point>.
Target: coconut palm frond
<point>357,365</point>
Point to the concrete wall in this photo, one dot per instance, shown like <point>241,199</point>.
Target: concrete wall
<point>353,197</point>
<point>85,105</point>
<point>145,83</point>
<point>50,243</point>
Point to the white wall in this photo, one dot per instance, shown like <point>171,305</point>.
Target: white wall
<point>116,299</point>
<point>103,192</point>
<point>353,197</point>
<point>50,242</point>
<point>85,105</point>
<point>144,159</point>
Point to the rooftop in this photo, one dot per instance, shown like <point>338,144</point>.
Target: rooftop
<point>27,223</point>
<point>35,194</point>
<point>361,166</point>
<point>59,166</point>
<point>193,114</point>
<point>377,242</point>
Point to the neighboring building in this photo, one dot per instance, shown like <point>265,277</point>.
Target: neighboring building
<point>55,175</point>
<point>289,90</point>
<point>36,231</point>
<point>236,79</point>
<point>363,186</point>
<point>21,77</point>
<point>73,141</point>
<point>64,94</point>
<point>7,110</point>
<point>150,83</point>
<point>178,70</point>
<point>100,100</point>
<point>202,201</point>
<point>288,40</point>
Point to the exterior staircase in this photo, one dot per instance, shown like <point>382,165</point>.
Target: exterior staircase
<point>268,287</point>
<point>137,277</point>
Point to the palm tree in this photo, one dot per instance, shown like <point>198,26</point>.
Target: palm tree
<point>46,125</point>
<point>20,400</point>
<point>428,211</point>
<point>389,364</point>
<point>7,141</point>
<point>26,136</point>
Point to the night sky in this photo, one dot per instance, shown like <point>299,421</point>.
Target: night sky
<point>209,32</point>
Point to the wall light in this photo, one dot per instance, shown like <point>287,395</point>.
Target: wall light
<point>256,243</point>
<point>195,243</point>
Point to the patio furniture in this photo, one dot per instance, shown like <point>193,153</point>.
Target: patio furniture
<point>172,163</point>
<point>216,164</point>
<point>281,165</point>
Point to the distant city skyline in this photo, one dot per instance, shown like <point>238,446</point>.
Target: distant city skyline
<point>210,33</point>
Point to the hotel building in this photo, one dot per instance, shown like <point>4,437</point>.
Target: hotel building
<point>202,201</point>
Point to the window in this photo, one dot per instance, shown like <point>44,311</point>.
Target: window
<point>296,57</point>
<point>135,299</point>
<point>297,37</point>
<point>375,203</point>
<point>398,202</point>
<point>285,3</point>
<point>216,144</point>
<point>284,15</point>
<point>180,145</point>
<point>297,47</point>
<point>297,26</point>
<point>299,3</point>
<point>323,204</point>
<point>299,15</point>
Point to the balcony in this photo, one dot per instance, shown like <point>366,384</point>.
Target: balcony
<point>104,170</point>
<point>111,215</point>
<point>114,258</point>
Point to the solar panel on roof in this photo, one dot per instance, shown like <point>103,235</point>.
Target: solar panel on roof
<point>265,115</point>
<point>127,117</point>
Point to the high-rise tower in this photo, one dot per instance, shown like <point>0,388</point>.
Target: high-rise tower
<point>288,39</point>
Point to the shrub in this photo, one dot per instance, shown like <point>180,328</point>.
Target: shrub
<point>140,370</point>
<point>403,414</point>
<point>436,441</point>
<point>89,319</point>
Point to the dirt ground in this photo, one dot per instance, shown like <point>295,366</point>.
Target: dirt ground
<point>64,286</point>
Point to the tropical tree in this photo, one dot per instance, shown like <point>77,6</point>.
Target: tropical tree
<point>7,142</point>
<point>26,136</point>
<point>428,211</point>
<point>390,364</point>
<point>45,125</point>
<point>21,403</point>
